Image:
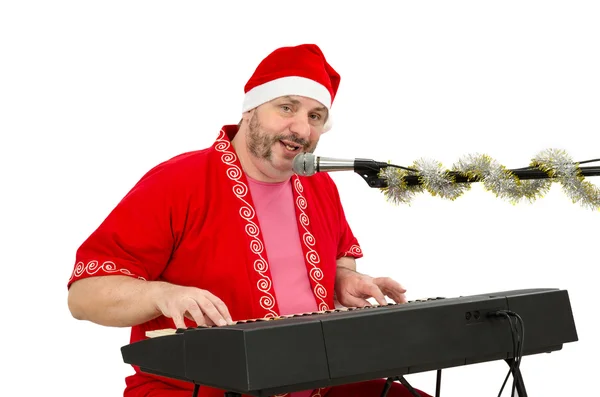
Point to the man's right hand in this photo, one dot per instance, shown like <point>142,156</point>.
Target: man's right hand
<point>198,305</point>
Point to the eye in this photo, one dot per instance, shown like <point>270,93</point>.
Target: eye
<point>286,108</point>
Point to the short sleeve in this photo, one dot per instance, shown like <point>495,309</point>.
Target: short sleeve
<point>138,236</point>
<point>348,244</point>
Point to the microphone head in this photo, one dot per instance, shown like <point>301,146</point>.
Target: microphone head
<point>304,164</point>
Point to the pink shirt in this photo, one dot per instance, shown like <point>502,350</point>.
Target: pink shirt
<point>274,204</point>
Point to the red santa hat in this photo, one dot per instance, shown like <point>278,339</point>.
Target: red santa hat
<point>301,70</point>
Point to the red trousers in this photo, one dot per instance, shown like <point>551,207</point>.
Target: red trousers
<point>371,388</point>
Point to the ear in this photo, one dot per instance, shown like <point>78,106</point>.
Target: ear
<point>328,124</point>
<point>246,116</point>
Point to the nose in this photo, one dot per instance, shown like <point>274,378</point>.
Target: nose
<point>301,127</point>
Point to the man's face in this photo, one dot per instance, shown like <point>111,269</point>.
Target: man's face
<point>281,129</point>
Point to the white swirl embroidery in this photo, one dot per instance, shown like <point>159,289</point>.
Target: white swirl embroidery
<point>312,256</point>
<point>264,284</point>
<point>93,267</point>
<point>354,250</point>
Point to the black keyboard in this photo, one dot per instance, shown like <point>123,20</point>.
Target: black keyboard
<point>268,357</point>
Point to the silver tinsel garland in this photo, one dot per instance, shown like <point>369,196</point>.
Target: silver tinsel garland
<point>495,178</point>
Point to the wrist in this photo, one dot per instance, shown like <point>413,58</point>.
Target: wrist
<point>342,272</point>
<point>154,295</point>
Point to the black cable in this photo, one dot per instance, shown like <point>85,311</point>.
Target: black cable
<point>513,335</point>
<point>520,340</point>
<point>576,162</point>
<point>399,166</point>
<point>518,336</point>
<point>589,161</point>
<point>517,363</point>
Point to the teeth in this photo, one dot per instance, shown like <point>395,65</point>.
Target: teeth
<point>291,147</point>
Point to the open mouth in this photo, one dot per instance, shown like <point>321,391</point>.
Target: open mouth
<point>291,146</point>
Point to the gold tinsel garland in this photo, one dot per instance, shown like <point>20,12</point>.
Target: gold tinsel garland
<point>556,164</point>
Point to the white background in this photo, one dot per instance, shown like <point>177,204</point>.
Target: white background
<point>93,94</point>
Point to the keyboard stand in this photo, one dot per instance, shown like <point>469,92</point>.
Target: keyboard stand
<point>388,385</point>
<point>520,386</point>
<point>411,389</point>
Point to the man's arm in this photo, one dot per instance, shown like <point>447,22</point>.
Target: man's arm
<point>118,301</point>
<point>346,262</point>
<point>122,301</point>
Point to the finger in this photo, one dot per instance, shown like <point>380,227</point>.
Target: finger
<point>212,312</point>
<point>389,285</point>
<point>195,313</point>
<point>353,301</point>
<point>375,292</point>
<point>396,296</point>
<point>391,288</point>
<point>399,298</point>
<point>177,319</point>
<point>221,307</point>
<point>207,321</point>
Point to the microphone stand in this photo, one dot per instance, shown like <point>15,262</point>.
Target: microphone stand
<point>369,170</point>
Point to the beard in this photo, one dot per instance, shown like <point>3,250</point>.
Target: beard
<point>260,142</point>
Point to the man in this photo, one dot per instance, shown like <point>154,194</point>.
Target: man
<point>229,232</point>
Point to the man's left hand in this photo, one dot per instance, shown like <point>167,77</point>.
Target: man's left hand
<point>353,289</point>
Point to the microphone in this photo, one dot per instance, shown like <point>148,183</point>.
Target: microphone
<point>307,164</point>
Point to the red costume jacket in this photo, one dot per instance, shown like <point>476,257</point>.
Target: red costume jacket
<point>191,221</point>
